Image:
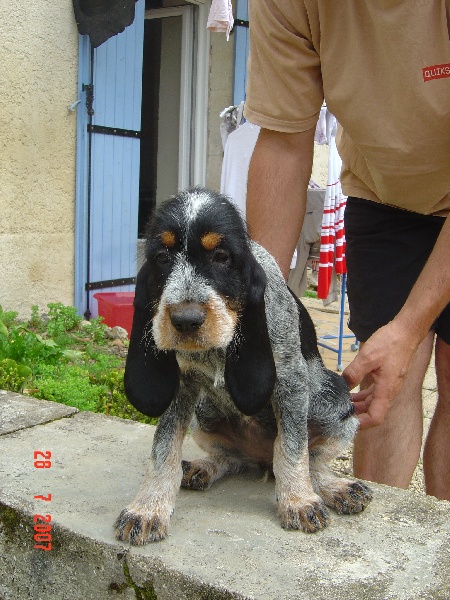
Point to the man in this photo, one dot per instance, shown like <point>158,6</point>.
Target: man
<point>384,70</point>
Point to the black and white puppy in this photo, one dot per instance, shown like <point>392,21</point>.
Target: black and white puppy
<point>220,344</point>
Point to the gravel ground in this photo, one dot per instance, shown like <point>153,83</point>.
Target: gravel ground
<point>343,465</point>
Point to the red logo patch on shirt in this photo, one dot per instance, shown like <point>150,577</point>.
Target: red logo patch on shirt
<point>436,72</point>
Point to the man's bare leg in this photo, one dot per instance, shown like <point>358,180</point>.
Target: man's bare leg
<point>436,456</point>
<point>389,453</point>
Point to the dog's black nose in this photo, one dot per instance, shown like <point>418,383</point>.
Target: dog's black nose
<point>187,318</point>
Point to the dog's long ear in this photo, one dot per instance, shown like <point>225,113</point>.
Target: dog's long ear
<point>250,368</point>
<point>151,376</point>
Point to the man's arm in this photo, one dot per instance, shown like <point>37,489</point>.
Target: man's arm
<point>387,354</point>
<point>278,179</point>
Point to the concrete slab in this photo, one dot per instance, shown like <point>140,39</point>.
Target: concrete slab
<point>20,412</point>
<point>223,543</point>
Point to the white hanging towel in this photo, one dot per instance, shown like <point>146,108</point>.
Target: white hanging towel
<point>220,18</point>
<point>236,161</point>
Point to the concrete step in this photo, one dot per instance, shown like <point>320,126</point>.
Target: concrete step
<point>224,543</point>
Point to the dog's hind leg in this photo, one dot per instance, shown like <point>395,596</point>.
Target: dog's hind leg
<point>299,505</point>
<point>199,474</point>
<point>345,496</point>
<point>232,441</point>
<point>331,428</point>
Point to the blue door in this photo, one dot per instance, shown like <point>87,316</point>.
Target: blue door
<point>108,148</point>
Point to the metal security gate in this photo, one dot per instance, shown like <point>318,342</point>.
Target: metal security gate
<point>108,152</point>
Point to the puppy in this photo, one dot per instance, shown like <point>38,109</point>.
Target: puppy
<point>220,344</point>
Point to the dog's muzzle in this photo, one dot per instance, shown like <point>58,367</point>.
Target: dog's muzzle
<point>187,318</point>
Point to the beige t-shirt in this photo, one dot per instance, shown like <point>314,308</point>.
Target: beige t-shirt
<point>383,67</point>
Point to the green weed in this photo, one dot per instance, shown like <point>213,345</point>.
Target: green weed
<point>69,384</point>
<point>56,356</point>
<point>95,329</point>
<point>26,347</point>
<point>61,321</point>
<point>7,318</point>
<point>13,376</point>
<point>115,403</point>
<point>36,322</point>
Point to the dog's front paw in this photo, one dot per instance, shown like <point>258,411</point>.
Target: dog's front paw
<point>309,516</point>
<point>349,497</point>
<point>139,526</point>
<point>196,475</point>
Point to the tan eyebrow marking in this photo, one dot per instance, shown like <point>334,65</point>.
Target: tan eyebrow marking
<point>210,240</point>
<point>168,239</point>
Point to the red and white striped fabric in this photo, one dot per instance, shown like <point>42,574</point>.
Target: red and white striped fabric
<point>332,241</point>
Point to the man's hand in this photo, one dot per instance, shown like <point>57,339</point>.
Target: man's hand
<point>386,356</point>
<point>385,359</point>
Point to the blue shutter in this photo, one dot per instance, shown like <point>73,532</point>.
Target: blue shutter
<point>241,49</point>
<point>108,193</point>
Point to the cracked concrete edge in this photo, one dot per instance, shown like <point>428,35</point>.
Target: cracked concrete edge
<point>19,412</point>
<point>81,568</point>
<point>168,584</point>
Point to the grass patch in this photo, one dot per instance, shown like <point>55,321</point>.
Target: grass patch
<point>59,357</point>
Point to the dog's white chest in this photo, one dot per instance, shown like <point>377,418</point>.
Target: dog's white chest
<point>211,366</point>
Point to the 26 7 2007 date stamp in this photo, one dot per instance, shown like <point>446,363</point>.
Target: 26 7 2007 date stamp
<point>42,523</point>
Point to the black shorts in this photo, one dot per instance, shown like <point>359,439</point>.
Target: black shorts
<point>386,250</point>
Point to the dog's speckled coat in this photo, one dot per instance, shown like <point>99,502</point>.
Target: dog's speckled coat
<point>219,343</point>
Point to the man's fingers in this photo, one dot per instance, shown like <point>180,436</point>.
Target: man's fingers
<point>384,358</point>
<point>362,400</point>
<point>362,394</point>
<point>362,406</point>
<point>372,411</point>
<point>351,376</point>
<point>355,372</point>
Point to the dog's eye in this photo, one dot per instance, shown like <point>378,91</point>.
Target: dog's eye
<point>163,257</point>
<point>221,256</point>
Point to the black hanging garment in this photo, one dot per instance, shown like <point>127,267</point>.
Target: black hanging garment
<point>102,19</point>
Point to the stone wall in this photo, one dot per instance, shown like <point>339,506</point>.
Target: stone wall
<point>220,96</point>
<point>37,141</point>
